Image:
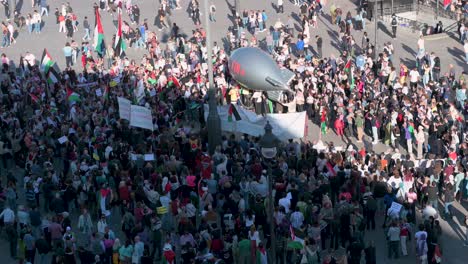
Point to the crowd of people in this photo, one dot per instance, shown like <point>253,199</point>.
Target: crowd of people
<point>186,205</point>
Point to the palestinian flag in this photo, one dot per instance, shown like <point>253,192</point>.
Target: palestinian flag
<point>447,4</point>
<point>152,78</point>
<point>119,44</point>
<point>34,98</point>
<point>347,66</point>
<point>293,235</point>
<point>99,45</point>
<point>52,75</point>
<point>233,112</point>
<point>46,61</point>
<point>106,93</point>
<point>351,79</point>
<point>173,81</point>
<point>72,97</point>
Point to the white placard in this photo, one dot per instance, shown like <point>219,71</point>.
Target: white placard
<point>124,108</point>
<point>133,156</point>
<point>51,122</point>
<point>98,92</point>
<point>71,130</point>
<point>63,139</point>
<point>141,117</point>
<point>152,92</point>
<point>149,157</point>
<point>396,207</point>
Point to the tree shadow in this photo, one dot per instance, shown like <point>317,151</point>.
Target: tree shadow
<point>226,45</point>
<point>232,8</point>
<point>336,45</point>
<point>409,63</point>
<point>296,17</point>
<point>232,18</point>
<point>408,49</point>
<point>327,17</point>
<point>332,34</point>
<point>298,28</point>
<point>458,54</point>
<point>384,29</point>
<point>456,227</point>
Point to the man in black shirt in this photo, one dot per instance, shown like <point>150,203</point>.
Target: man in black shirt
<point>354,252</point>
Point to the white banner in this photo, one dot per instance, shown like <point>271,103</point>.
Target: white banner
<point>141,117</point>
<point>81,85</point>
<point>285,126</point>
<point>124,108</point>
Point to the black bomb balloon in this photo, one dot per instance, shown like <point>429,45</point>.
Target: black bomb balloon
<point>254,69</point>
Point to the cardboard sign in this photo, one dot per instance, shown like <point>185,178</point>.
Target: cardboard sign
<point>141,117</point>
<point>63,139</point>
<point>396,207</point>
<point>149,157</point>
<point>124,108</point>
<point>98,92</point>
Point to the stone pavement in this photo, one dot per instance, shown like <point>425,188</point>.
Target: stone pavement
<point>449,50</point>
<point>405,44</point>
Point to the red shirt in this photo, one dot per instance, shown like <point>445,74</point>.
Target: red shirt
<point>124,193</point>
<point>217,245</point>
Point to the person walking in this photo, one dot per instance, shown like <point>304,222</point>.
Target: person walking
<point>86,28</point>
<point>404,233</point>
<point>67,52</point>
<point>37,20</point>
<point>29,23</point>
<point>44,8</point>
<point>11,33</point>
<point>69,27</point>
<point>61,23</point>
<point>280,7</point>
<point>449,198</point>
<point>393,238</point>
<point>394,26</point>
<point>212,12</point>
<point>420,137</point>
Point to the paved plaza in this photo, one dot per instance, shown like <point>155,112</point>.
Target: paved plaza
<point>448,49</point>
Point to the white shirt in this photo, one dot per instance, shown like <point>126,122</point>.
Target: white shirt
<point>421,43</point>
<point>297,219</point>
<point>414,75</point>
<point>101,226</point>
<point>8,216</point>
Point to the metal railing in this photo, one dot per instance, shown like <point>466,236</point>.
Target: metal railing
<point>404,22</point>
<point>431,6</point>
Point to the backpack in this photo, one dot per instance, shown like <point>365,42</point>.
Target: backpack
<point>394,22</point>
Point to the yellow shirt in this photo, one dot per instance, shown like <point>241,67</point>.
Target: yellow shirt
<point>234,94</point>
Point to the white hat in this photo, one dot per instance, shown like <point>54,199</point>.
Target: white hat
<point>167,247</point>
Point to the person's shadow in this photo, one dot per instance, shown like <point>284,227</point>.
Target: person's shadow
<point>19,6</point>
<point>384,29</point>
<point>275,7</point>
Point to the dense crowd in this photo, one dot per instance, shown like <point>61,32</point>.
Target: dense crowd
<point>190,206</point>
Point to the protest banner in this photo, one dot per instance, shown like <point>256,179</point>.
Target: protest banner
<point>124,108</point>
<point>141,117</point>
